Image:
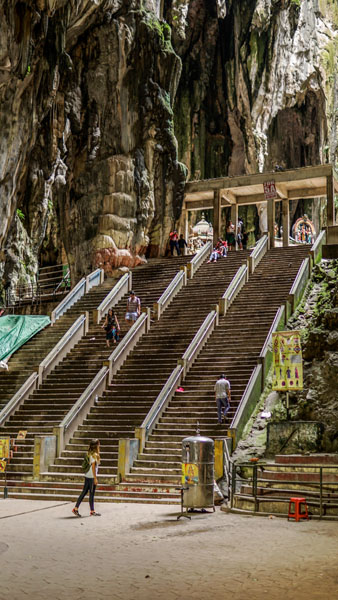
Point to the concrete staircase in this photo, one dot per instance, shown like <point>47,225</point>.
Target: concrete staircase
<point>134,389</point>
<point>48,405</point>
<point>233,349</point>
<point>291,476</point>
<point>28,357</point>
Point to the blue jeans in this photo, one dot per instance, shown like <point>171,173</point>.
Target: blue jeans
<point>223,405</point>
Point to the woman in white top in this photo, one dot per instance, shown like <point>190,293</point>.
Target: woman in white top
<point>90,481</point>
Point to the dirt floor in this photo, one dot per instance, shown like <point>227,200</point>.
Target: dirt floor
<point>143,552</point>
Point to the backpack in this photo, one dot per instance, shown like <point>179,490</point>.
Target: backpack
<point>85,464</point>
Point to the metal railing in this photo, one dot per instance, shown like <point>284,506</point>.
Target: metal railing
<point>265,356</point>
<point>174,379</point>
<point>170,292</point>
<point>81,288</point>
<point>321,492</point>
<point>199,340</point>
<point>95,278</point>
<point>80,409</point>
<point>74,295</point>
<point>161,402</point>
<point>316,248</point>
<point>198,259</point>
<point>67,342</point>
<point>299,283</point>
<point>233,289</point>
<point>122,287</point>
<point>258,252</point>
<point>121,352</point>
<point>64,284</point>
<point>21,395</point>
<point>248,401</point>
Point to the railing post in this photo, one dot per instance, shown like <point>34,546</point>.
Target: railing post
<point>254,483</point>
<point>185,279</point>
<point>320,492</point>
<point>140,434</point>
<point>233,484</point>
<point>157,311</point>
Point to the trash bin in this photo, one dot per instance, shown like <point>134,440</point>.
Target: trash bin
<point>198,472</point>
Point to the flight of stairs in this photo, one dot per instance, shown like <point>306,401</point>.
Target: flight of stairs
<point>233,349</point>
<point>47,406</point>
<point>25,360</point>
<point>133,391</point>
<point>289,476</point>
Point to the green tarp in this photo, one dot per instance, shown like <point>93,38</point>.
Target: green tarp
<point>16,330</point>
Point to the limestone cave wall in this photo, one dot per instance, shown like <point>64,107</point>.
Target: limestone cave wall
<point>106,106</point>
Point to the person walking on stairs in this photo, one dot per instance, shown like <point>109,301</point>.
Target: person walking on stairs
<point>173,240</point>
<point>182,244</point>
<point>223,397</point>
<point>90,481</point>
<point>111,327</point>
<point>133,308</point>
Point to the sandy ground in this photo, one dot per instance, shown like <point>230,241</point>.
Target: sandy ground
<point>143,552</point>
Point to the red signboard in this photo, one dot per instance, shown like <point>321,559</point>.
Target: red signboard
<point>270,190</point>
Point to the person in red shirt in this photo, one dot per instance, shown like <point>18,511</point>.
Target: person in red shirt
<point>173,239</point>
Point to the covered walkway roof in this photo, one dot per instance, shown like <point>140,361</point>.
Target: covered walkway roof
<point>292,184</point>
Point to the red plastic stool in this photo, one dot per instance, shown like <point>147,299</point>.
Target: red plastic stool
<point>298,514</point>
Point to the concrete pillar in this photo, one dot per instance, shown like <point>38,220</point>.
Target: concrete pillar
<point>271,221</point>
<point>330,201</point>
<point>217,215</point>
<point>286,221</point>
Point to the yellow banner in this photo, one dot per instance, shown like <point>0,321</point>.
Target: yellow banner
<point>2,465</point>
<point>4,448</point>
<point>287,361</point>
<point>189,473</point>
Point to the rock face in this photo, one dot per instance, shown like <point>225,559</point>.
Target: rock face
<point>87,127</point>
<point>101,99</point>
<point>253,85</point>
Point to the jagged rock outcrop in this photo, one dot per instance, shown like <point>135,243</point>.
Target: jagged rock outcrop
<point>257,88</point>
<point>86,121</point>
<point>100,99</point>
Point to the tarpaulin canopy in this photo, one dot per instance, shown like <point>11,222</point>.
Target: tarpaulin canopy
<point>16,330</point>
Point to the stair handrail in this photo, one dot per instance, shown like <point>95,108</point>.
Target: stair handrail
<point>316,248</point>
<point>19,397</point>
<point>258,252</point>
<point>162,400</point>
<point>238,281</point>
<point>174,379</point>
<point>79,290</point>
<point>122,287</point>
<point>198,259</point>
<point>170,292</point>
<point>265,356</point>
<point>95,278</point>
<point>76,331</point>
<point>63,280</point>
<point>73,296</point>
<point>120,353</point>
<point>199,339</point>
<point>248,401</point>
<point>299,283</point>
<point>80,409</point>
